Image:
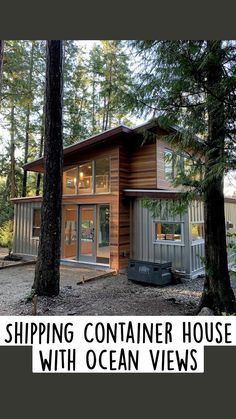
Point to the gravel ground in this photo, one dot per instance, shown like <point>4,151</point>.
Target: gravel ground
<point>113,295</point>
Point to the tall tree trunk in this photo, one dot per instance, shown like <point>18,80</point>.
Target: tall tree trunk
<point>42,136</point>
<point>93,105</point>
<point>1,65</point>
<point>47,271</point>
<point>104,114</point>
<point>108,112</point>
<point>217,293</point>
<point>27,127</point>
<point>12,173</point>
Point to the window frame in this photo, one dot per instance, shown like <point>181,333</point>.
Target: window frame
<point>92,168</point>
<point>198,241</point>
<point>35,227</point>
<point>93,163</point>
<point>76,188</point>
<point>94,177</point>
<point>169,242</point>
<point>172,162</point>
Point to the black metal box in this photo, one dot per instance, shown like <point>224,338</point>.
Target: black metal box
<point>157,273</point>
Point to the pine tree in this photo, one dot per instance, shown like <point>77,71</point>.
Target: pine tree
<point>193,83</point>
<point>1,64</point>
<point>47,271</point>
<point>110,78</point>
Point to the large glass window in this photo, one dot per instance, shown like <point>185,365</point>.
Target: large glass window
<point>36,222</point>
<point>197,231</point>
<point>102,175</point>
<point>69,241</point>
<point>85,180</point>
<point>69,181</point>
<point>103,235</point>
<point>168,231</point>
<point>88,178</point>
<point>169,165</point>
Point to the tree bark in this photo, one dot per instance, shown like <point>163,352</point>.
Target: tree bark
<point>27,127</point>
<point>12,174</point>
<point>1,65</point>
<point>47,271</point>
<point>217,293</point>
<point>42,136</point>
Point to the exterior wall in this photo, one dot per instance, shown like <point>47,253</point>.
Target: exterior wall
<point>142,170</point>
<point>142,238</point>
<point>230,215</point>
<point>196,215</point>
<point>23,243</point>
<point>124,213</point>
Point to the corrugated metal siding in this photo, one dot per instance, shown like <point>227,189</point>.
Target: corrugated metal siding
<point>142,240</point>
<point>230,215</point>
<point>196,215</point>
<point>23,243</point>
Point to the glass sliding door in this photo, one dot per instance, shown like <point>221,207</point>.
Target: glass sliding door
<point>69,231</point>
<point>103,234</point>
<point>87,233</point>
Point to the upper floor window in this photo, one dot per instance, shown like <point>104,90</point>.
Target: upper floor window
<point>87,178</point>
<point>176,164</point>
<point>70,181</point>
<point>169,165</point>
<point>85,181</point>
<point>102,175</point>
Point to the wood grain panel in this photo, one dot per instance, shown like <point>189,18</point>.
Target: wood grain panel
<point>143,167</point>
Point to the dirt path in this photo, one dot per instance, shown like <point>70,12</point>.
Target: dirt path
<point>113,295</point>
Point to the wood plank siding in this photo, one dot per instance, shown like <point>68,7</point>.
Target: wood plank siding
<point>142,172</point>
<point>124,209</point>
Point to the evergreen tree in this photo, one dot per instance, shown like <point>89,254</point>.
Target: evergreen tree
<point>76,94</point>
<point>47,271</point>
<point>110,78</point>
<point>1,64</point>
<point>193,83</point>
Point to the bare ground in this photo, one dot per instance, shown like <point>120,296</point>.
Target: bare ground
<point>112,295</point>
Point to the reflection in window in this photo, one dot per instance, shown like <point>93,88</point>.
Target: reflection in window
<point>169,165</point>
<point>102,178</point>
<point>103,237</point>
<point>168,231</point>
<point>69,181</point>
<point>85,183</point>
<point>70,231</point>
<point>197,231</point>
<point>188,164</point>
<point>36,222</point>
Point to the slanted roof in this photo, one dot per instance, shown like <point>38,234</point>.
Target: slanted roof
<point>122,131</point>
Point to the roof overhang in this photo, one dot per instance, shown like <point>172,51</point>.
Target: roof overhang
<point>152,193</point>
<point>105,137</point>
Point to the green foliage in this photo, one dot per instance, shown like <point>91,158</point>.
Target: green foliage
<point>160,208</point>
<point>6,232</point>
<point>232,247</point>
<point>6,208</point>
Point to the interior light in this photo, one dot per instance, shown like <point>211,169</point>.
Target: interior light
<point>81,175</point>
